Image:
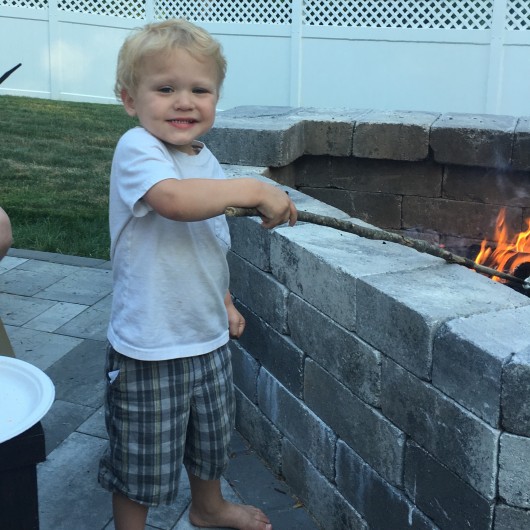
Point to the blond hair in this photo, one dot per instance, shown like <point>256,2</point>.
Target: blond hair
<point>163,37</point>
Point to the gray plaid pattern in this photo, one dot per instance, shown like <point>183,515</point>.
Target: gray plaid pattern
<point>162,413</point>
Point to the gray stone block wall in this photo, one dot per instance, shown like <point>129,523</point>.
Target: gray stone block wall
<point>388,388</point>
<point>442,177</point>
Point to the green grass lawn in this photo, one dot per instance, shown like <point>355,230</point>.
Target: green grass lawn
<point>55,169</point>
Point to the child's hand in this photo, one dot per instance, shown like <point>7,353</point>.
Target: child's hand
<point>276,208</point>
<point>236,322</point>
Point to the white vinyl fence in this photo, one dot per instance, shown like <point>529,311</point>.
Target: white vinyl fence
<point>457,56</point>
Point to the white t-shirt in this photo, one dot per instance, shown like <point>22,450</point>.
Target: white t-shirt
<point>170,277</point>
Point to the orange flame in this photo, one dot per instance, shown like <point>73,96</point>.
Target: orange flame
<point>508,253</point>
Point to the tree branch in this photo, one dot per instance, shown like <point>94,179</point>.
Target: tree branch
<point>383,235</point>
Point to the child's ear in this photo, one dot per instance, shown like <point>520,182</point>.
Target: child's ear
<point>128,102</point>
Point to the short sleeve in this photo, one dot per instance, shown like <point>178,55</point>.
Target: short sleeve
<point>140,161</point>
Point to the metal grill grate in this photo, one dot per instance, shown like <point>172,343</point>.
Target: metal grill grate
<point>227,11</point>
<point>518,15</point>
<point>399,14</point>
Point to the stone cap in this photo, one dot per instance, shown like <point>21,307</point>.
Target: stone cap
<point>277,136</point>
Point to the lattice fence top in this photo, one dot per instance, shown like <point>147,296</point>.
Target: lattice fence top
<point>405,14</point>
<point>115,8</point>
<point>518,15</point>
<point>29,4</point>
<point>416,14</point>
<point>227,11</point>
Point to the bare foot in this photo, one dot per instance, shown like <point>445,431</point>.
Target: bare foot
<point>239,516</point>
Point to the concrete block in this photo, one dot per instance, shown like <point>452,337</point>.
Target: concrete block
<point>92,323</point>
<point>395,135</point>
<point>459,440</point>
<point>84,286</point>
<point>279,135</point>
<point>486,185</point>
<point>276,352</point>
<point>521,145</point>
<point>62,419</point>
<point>465,219</point>
<point>514,390</point>
<point>262,435</point>
<point>245,369</point>
<point>259,290</point>
<point>383,506</point>
<point>422,179</point>
<point>55,258</point>
<point>78,376</point>
<point>441,495</point>
<point>259,112</point>
<point>468,359</point>
<point>305,203</point>
<point>311,436</point>
<point>314,171</point>
<point>68,475</point>
<point>321,265</point>
<point>261,138</point>
<point>285,175</point>
<point>55,317</point>
<point>353,362</point>
<point>95,424</point>
<point>23,282</point>
<point>319,495</point>
<point>473,139</point>
<point>378,441</point>
<point>40,348</point>
<point>341,199</point>
<point>411,316</point>
<point>253,485</point>
<point>250,241</point>
<point>327,132</point>
<point>17,310</point>
<point>297,261</point>
<point>514,472</point>
<point>380,209</point>
<point>510,518</point>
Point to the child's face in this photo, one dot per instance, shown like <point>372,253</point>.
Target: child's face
<point>176,98</point>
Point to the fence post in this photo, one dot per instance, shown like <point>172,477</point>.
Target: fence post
<point>150,11</point>
<point>496,57</point>
<point>296,53</point>
<point>54,50</point>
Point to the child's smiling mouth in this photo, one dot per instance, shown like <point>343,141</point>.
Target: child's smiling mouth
<point>182,123</point>
<point>181,120</point>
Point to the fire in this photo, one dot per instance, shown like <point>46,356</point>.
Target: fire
<point>508,253</point>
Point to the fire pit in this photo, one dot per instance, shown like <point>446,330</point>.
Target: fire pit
<point>412,375</point>
<point>509,253</point>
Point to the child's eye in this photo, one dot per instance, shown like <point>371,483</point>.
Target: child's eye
<point>165,89</point>
<point>200,90</point>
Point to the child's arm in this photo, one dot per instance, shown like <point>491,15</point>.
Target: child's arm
<point>199,199</point>
<point>236,322</point>
<point>6,236</point>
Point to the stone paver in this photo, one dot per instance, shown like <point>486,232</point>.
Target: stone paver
<point>55,309</point>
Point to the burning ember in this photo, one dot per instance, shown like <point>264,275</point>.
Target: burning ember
<point>510,255</point>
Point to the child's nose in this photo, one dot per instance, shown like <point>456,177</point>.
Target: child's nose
<point>184,100</point>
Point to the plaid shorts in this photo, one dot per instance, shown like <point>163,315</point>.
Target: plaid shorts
<point>160,414</point>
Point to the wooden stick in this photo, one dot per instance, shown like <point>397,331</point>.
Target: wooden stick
<point>383,235</point>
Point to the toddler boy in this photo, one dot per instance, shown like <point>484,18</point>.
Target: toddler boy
<point>169,397</point>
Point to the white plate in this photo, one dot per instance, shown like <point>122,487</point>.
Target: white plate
<point>26,395</point>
